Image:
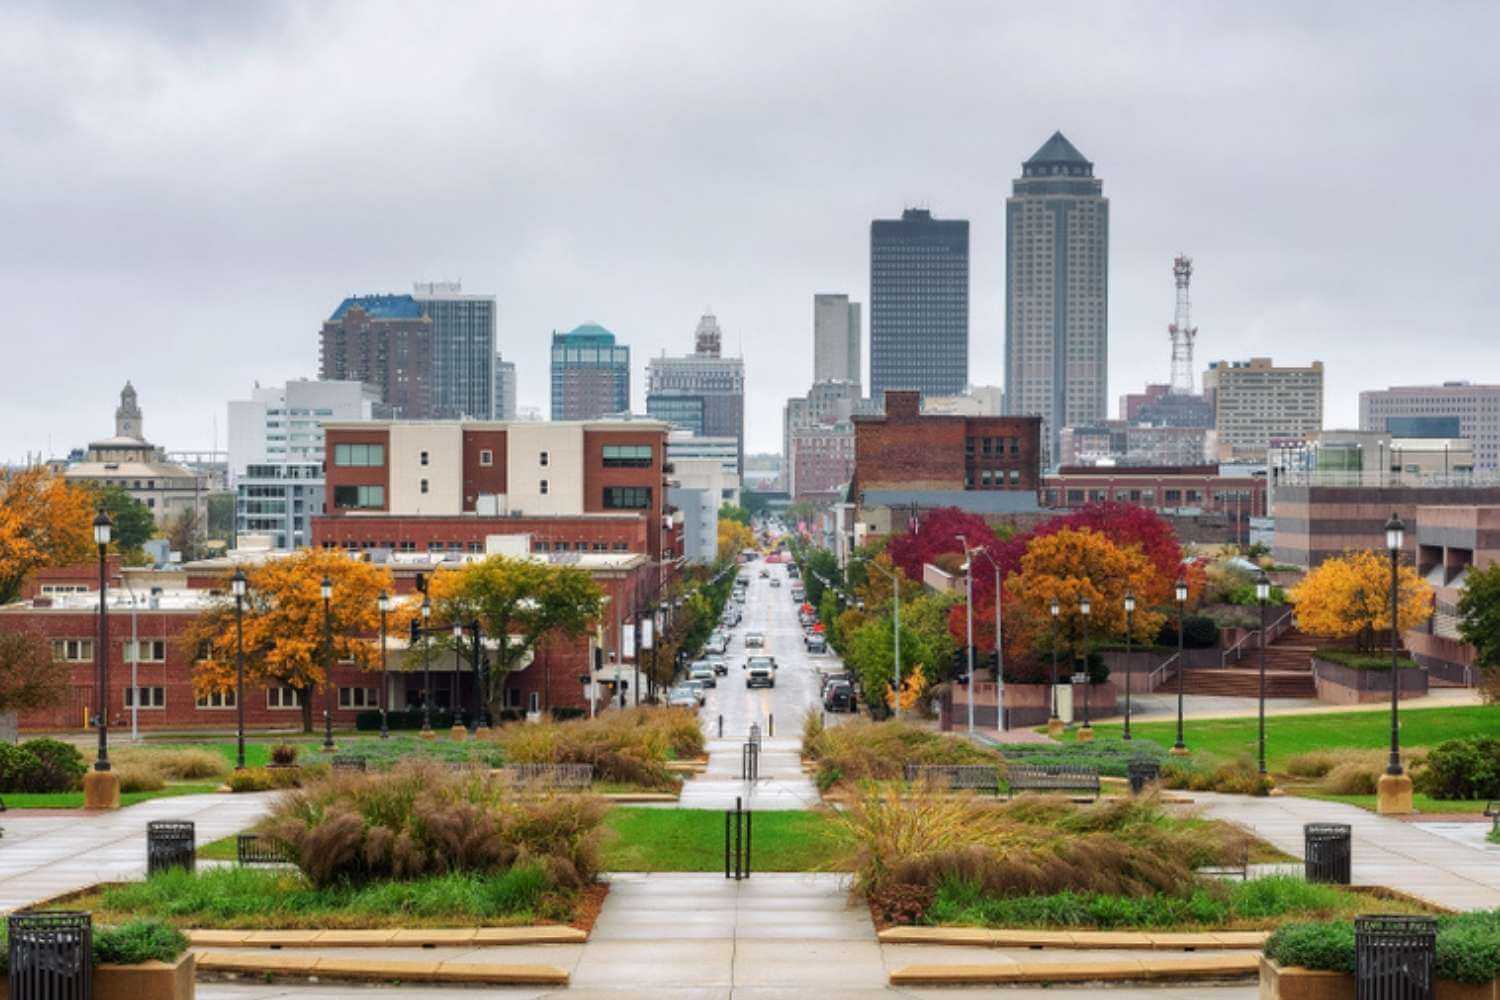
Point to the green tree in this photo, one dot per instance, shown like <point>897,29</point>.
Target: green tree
<point>1479,614</point>
<point>221,517</point>
<point>818,565</point>
<point>734,512</point>
<point>872,656</point>
<point>134,524</point>
<point>927,618</point>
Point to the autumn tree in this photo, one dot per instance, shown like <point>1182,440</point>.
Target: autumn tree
<point>938,534</point>
<point>874,583</point>
<point>44,521</point>
<point>1479,614</point>
<point>1124,524</point>
<point>519,603</point>
<point>871,654</point>
<point>28,677</point>
<point>734,512</point>
<point>734,538</point>
<point>283,624</point>
<point>1349,596</point>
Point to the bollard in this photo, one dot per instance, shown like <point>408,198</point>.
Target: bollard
<point>721,727</point>
<point>750,762</point>
<point>771,725</point>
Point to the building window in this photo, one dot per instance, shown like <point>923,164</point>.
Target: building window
<point>72,650</point>
<point>422,486</point>
<point>542,458</point>
<point>64,588</point>
<point>359,455</point>
<point>627,498</point>
<point>422,458</point>
<point>486,457</point>
<point>358,698</point>
<point>152,651</point>
<point>218,699</point>
<point>146,697</point>
<point>627,456</point>
<point>359,497</point>
<point>283,697</point>
<point>543,487</point>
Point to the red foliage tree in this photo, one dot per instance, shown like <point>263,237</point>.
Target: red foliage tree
<point>937,534</point>
<point>1125,524</point>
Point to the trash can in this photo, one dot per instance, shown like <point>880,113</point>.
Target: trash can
<point>1393,957</point>
<point>52,956</point>
<point>1327,852</point>
<point>1142,773</point>
<point>170,843</point>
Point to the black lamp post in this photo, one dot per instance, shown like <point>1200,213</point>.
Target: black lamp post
<point>426,669</point>
<point>327,589</point>
<point>238,584</point>
<point>384,603</point>
<point>1395,533</point>
<point>1053,722</point>
<point>1129,628</point>
<point>1084,608</point>
<point>102,528</point>
<point>1181,594</point>
<point>1262,592</point>
<point>453,700</point>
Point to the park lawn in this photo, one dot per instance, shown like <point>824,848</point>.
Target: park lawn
<point>1289,735</point>
<point>692,840</point>
<point>223,849</point>
<point>74,800</point>
<point>1421,803</point>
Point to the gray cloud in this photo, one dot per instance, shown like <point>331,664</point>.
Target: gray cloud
<point>190,188</point>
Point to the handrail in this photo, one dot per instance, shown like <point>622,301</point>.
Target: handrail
<point>1274,631</point>
<point>1152,679</point>
<point>1224,654</point>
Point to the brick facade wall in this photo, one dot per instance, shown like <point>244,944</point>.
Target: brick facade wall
<point>907,450</point>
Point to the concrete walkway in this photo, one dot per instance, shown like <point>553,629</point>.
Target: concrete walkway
<point>782,784</point>
<point>1387,852</point>
<point>44,856</point>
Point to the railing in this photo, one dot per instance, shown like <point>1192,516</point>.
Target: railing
<point>1274,631</point>
<point>1156,677</point>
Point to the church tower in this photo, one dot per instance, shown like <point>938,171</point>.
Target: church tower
<point>128,415</point>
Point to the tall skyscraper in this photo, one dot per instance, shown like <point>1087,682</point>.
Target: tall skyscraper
<point>919,304</point>
<point>700,392</point>
<point>590,374</point>
<point>384,341</point>
<point>1057,293</point>
<point>463,348</point>
<point>505,389</point>
<point>836,330</point>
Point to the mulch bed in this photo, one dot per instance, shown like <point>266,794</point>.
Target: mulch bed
<point>590,902</point>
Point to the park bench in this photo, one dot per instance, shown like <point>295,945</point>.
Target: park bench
<point>1236,867</point>
<point>348,762</point>
<point>957,777</point>
<point>574,777</point>
<point>1053,778</point>
<point>253,849</point>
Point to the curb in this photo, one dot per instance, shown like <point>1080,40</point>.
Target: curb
<point>1212,967</point>
<point>629,797</point>
<point>433,937</point>
<point>494,974</point>
<point>1078,940</point>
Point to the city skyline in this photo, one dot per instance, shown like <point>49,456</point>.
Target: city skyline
<point>180,187</point>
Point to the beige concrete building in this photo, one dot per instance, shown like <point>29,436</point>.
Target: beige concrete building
<point>1256,403</point>
<point>1453,409</point>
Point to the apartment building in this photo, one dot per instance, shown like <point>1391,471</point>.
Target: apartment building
<point>1450,410</point>
<point>1257,402</point>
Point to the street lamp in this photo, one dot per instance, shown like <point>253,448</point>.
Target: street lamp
<point>238,585</point>
<point>1394,789</point>
<point>1129,628</point>
<point>426,669</point>
<point>968,569</point>
<point>1054,724</point>
<point>454,700</point>
<point>999,647</point>
<point>1087,732</point>
<point>1262,593</point>
<point>384,604</point>
<point>327,589</point>
<point>102,528</point>
<point>1181,593</point>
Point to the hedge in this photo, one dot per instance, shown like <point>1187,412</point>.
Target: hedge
<point>1363,661</point>
<point>1468,946</point>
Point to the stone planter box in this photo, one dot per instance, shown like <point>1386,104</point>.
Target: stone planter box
<point>1025,705</point>
<point>147,981</point>
<point>1341,685</point>
<point>1278,982</point>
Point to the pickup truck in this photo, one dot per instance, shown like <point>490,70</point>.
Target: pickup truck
<point>760,671</point>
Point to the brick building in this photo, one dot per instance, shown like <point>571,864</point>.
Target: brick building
<point>386,342</point>
<point>1173,489</point>
<point>1316,521</point>
<point>907,449</point>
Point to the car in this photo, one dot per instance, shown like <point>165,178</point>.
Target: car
<point>798,594</point>
<point>755,640</point>
<point>764,573</point>
<point>816,644</point>
<point>682,697</point>
<point>717,642</point>
<point>697,688</point>
<point>760,671</point>
<point>831,679</point>
<point>839,697</point>
<point>776,581</point>
<point>703,672</point>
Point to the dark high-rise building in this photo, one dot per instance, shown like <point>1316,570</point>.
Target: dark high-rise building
<point>1057,293</point>
<point>384,341</point>
<point>463,349</point>
<point>590,374</point>
<point>919,304</point>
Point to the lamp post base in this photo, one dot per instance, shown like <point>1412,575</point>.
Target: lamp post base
<point>1054,727</point>
<point>482,733</point>
<point>101,790</point>
<point>1393,795</point>
<point>428,734</point>
<point>1180,752</point>
<point>1085,734</point>
<point>459,733</point>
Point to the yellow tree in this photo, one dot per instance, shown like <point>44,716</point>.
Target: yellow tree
<point>283,622</point>
<point>44,521</point>
<point>878,586</point>
<point>1350,596</point>
<point>1068,566</point>
<point>734,538</point>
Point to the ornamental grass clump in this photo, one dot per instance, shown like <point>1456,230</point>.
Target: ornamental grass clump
<point>861,749</point>
<point>630,747</point>
<point>175,763</point>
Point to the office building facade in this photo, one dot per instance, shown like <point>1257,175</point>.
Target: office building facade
<point>386,342</point>
<point>919,304</point>
<point>590,374</point>
<point>1453,409</point>
<point>1257,403</point>
<point>505,389</point>
<point>836,339</point>
<point>1057,292</point>
<point>463,349</point>
<point>703,392</point>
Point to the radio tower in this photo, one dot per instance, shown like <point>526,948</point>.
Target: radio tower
<point>1182,331</point>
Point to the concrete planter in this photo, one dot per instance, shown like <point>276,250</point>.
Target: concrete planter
<point>147,981</point>
<point>1341,685</point>
<point>1278,982</point>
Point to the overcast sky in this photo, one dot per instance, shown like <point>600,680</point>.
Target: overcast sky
<point>188,188</point>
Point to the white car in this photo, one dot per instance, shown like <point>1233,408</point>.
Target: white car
<point>703,675</point>
<point>682,697</point>
<point>696,687</point>
<point>755,640</point>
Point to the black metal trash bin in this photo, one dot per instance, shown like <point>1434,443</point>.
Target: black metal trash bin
<point>170,843</point>
<point>1327,852</point>
<point>1393,957</point>
<point>348,762</point>
<point>51,956</point>
<point>1142,773</point>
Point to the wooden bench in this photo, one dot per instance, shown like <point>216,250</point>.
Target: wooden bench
<point>574,777</point>
<point>1053,778</point>
<point>253,849</point>
<point>1236,867</point>
<point>957,777</point>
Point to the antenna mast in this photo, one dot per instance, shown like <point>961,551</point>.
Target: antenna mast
<point>1182,331</point>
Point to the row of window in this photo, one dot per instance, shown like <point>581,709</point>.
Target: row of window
<point>276,698</point>
<point>359,455</point>
<point>616,456</point>
<point>361,497</point>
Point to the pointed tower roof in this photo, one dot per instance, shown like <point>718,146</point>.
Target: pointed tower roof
<point>1058,150</point>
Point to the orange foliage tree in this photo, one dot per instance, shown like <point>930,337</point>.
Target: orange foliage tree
<point>44,521</point>
<point>1067,566</point>
<point>1349,596</point>
<point>283,622</point>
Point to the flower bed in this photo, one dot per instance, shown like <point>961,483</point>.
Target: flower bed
<point>1111,756</point>
<point>1347,678</point>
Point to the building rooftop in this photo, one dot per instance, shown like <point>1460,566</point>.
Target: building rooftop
<point>381,307</point>
<point>1058,150</point>
<point>972,501</point>
<point>591,333</point>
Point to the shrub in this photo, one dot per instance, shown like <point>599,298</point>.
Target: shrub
<point>1110,756</point>
<point>130,943</point>
<point>1235,778</point>
<point>1325,946</point>
<point>1198,632</point>
<point>1468,946</point>
<point>860,749</point>
<point>139,776</point>
<point>263,779</point>
<point>60,767</point>
<point>399,719</point>
<point>1461,769</point>
<point>284,754</point>
<point>18,768</point>
<point>1356,660</point>
<point>630,747</point>
<point>176,763</point>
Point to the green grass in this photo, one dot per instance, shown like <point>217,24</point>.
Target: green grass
<point>223,849</point>
<point>74,800</point>
<point>692,840</point>
<point>1420,802</point>
<point>1288,735</point>
<point>380,754</point>
<point>276,899</point>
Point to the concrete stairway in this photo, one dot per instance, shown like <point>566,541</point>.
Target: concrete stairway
<point>1288,671</point>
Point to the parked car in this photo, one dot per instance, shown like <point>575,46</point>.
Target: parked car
<point>697,688</point>
<point>717,661</point>
<point>775,581</point>
<point>755,640</point>
<point>682,697</point>
<point>703,672</point>
<point>760,671</point>
<point>831,679</point>
<point>817,645</point>
<point>839,697</point>
<point>717,642</point>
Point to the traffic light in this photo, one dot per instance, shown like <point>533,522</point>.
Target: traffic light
<point>416,631</point>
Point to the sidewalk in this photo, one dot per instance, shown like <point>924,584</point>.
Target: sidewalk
<point>44,856</point>
<point>1387,852</point>
<point>782,784</point>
